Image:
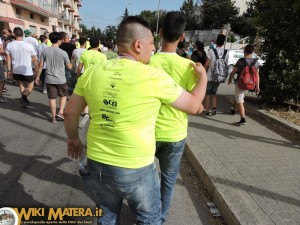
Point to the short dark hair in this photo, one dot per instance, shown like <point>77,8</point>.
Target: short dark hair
<point>109,45</point>
<point>173,26</point>
<point>199,46</point>
<point>94,42</point>
<point>82,41</point>
<point>221,39</point>
<point>180,45</point>
<point>124,33</point>
<point>249,49</point>
<point>62,35</point>
<point>18,32</point>
<point>42,38</point>
<point>55,37</point>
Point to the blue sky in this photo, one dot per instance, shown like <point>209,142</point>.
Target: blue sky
<point>102,13</point>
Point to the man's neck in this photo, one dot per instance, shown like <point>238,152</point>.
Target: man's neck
<point>169,46</point>
<point>19,38</point>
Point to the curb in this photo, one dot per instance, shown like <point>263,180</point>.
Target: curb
<point>281,126</point>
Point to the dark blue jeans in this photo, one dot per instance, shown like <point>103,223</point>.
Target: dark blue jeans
<point>140,187</point>
<point>169,155</point>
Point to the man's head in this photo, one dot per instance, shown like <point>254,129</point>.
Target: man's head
<point>173,27</point>
<point>18,32</point>
<point>5,33</point>
<point>82,41</point>
<point>221,40</point>
<point>27,33</point>
<point>134,37</point>
<point>248,50</point>
<point>46,33</point>
<point>199,46</point>
<point>94,42</point>
<point>43,39</point>
<point>55,37</point>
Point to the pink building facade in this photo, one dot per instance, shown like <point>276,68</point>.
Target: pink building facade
<point>41,15</point>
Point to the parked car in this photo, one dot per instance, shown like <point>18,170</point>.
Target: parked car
<point>236,54</point>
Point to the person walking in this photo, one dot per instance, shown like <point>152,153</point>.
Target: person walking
<point>20,57</point>
<point>40,48</point>
<point>210,64</point>
<point>57,61</point>
<point>171,124</point>
<point>124,97</point>
<point>239,94</point>
<point>89,58</point>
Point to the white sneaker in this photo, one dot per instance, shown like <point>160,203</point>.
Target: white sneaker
<point>84,120</point>
<point>45,91</point>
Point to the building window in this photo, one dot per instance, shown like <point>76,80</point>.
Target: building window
<point>18,11</point>
<point>43,19</point>
<point>31,16</point>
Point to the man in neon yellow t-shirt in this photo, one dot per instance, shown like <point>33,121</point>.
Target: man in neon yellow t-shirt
<point>171,124</point>
<point>124,96</point>
<point>89,58</point>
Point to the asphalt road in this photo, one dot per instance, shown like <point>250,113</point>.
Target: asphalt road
<point>36,172</point>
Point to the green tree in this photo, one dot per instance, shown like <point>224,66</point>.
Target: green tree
<point>278,22</point>
<point>217,13</point>
<point>125,13</point>
<point>151,18</point>
<point>192,12</point>
<point>109,33</point>
<point>245,25</point>
<point>84,30</point>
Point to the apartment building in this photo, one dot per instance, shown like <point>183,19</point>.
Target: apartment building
<point>41,15</point>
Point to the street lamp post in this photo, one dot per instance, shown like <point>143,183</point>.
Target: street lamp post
<point>157,17</point>
<point>129,4</point>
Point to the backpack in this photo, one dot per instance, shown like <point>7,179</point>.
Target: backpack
<point>220,70</point>
<point>248,77</point>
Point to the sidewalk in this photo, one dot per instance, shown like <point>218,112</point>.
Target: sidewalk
<point>250,172</point>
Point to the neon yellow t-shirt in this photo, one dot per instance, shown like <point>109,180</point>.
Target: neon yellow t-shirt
<point>91,57</point>
<point>124,98</point>
<point>171,124</point>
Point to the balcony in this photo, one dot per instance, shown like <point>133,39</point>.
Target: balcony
<point>79,3</point>
<point>38,7</point>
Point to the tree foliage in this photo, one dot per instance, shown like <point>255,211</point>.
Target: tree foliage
<point>217,13</point>
<point>110,33</point>
<point>151,17</point>
<point>245,25</point>
<point>278,22</point>
<point>192,12</point>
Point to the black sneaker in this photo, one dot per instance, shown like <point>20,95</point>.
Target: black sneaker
<point>23,102</point>
<point>241,122</point>
<point>205,113</point>
<point>232,111</point>
<point>214,111</point>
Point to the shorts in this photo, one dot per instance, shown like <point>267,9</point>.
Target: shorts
<point>212,88</point>
<point>2,70</point>
<point>57,89</point>
<point>239,95</point>
<point>20,77</point>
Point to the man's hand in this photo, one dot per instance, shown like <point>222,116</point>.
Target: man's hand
<point>74,148</point>
<point>37,81</point>
<point>199,69</point>
<point>257,90</point>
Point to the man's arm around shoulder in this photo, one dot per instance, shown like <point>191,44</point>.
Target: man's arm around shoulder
<point>192,102</point>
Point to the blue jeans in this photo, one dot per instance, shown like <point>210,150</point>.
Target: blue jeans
<point>169,155</point>
<point>140,187</point>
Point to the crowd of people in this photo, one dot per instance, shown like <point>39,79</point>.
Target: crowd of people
<point>137,104</point>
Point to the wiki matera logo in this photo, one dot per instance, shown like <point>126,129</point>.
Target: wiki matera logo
<point>8,216</point>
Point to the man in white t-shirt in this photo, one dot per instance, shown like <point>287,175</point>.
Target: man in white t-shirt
<point>212,87</point>
<point>20,55</point>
